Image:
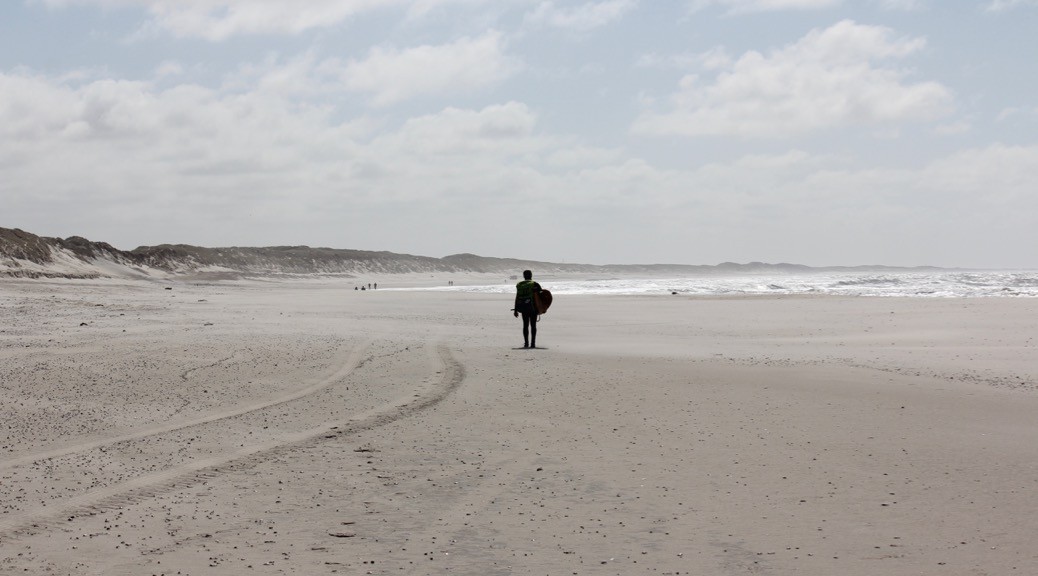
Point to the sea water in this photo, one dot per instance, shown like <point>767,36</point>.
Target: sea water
<point>930,284</point>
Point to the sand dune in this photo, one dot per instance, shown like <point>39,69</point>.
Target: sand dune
<point>307,428</point>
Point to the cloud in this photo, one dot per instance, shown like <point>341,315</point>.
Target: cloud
<point>903,5</point>
<point>583,157</point>
<point>95,153</point>
<point>582,18</point>
<point>944,212</point>
<point>407,126</point>
<point>392,75</point>
<point>117,143</point>
<point>713,59</point>
<point>986,189</point>
<point>218,20</point>
<point>388,75</point>
<point>250,166</point>
<point>1015,111</point>
<point>1003,5</point>
<point>829,79</point>
<point>497,129</point>
<point>738,7</point>
<point>953,128</point>
<point>751,6</point>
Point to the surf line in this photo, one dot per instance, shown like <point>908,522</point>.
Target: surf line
<point>114,497</point>
<point>357,357</point>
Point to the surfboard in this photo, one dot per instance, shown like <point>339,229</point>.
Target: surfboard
<point>542,300</point>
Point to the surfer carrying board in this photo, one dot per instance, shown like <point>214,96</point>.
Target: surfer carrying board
<point>525,292</point>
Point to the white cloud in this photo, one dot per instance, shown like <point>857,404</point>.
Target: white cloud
<point>713,59</point>
<point>119,143</point>
<point>1013,112</point>
<point>388,75</point>
<point>903,5</point>
<point>984,181</point>
<point>828,79</point>
<point>168,69</point>
<point>458,132</point>
<point>251,167</point>
<point>303,76</point>
<point>750,6</point>
<point>581,18</point>
<point>969,208</point>
<point>583,157</point>
<point>218,20</point>
<point>177,158</point>
<point>391,75</point>
<point>953,128</point>
<point>1002,5</point>
<point>737,7</point>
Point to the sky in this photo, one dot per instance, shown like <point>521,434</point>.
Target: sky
<point>818,132</point>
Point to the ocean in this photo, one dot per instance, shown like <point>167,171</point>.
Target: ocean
<point>930,284</point>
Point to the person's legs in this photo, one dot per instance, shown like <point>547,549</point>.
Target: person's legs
<point>530,327</point>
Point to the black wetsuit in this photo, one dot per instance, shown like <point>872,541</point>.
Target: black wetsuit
<point>524,305</point>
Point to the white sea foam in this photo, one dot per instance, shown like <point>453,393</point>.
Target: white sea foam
<point>937,284</point>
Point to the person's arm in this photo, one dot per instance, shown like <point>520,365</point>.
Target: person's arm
<point>515,309</point>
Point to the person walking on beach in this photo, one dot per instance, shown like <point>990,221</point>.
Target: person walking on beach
<point>524,305</point>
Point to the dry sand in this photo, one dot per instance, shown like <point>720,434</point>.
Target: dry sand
<point>307,428</point>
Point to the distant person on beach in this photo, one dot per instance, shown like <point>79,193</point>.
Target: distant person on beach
<point>524,305</point>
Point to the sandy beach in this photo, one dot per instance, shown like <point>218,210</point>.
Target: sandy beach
<point>308,428</point>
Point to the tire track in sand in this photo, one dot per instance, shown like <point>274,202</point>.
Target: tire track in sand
<point>356,358</point>
<point>187,474</point>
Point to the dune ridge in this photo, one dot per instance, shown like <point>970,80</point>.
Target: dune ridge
<point>26,255</point>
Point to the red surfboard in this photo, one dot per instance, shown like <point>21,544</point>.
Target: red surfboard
<point>542,300</point>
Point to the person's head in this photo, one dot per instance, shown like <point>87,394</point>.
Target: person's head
<point>527,275</point>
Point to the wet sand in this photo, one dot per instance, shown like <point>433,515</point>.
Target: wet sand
<point>307,428</point>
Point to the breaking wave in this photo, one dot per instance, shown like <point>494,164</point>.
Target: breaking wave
<point>937,284</point>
